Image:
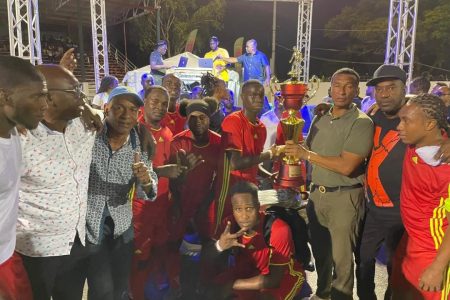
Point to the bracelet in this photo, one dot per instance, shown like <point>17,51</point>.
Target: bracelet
<point>147,184</point>
<point>219,249</point>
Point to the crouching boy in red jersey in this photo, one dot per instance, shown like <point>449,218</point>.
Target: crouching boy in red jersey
<point>260,271</point>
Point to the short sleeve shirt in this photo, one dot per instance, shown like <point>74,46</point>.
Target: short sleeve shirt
<point>239,134</point>
<point>100,99</point>
<point>384,170</point>
<point>156,58</point>
<point>330,136</point>
<point>254,65</point>
<point>163,138</point>
<point>258,256</point>
<point>198,182</point>
<point>174,121</point>
<point>423,194</point>
<point>219,63</point>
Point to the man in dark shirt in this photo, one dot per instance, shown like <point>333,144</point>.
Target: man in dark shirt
<point>383,178</point>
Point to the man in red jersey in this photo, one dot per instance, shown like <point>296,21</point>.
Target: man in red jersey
<point>173,120</point>
<point>190,191</point>
<point>243,137</point>
<point>261,271</point>
<point>150,218</point>
<point>421,265</point>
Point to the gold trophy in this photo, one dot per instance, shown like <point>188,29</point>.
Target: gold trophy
<point>293,94</point>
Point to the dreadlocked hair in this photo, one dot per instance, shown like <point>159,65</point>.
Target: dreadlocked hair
<point>208,83</point>
<point>434,108</point>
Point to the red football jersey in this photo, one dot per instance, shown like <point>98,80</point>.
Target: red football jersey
<point>163,137</point>
<point>238,134</point>
<point>174,121</point>
<point>424,190</point>
<point>198,182</point>
<point>257,256</point>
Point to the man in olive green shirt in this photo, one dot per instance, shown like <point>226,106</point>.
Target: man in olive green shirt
<point>338,144</point>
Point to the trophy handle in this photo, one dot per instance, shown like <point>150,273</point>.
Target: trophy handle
<point>313,87</point>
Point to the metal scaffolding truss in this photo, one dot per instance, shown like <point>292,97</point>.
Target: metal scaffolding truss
<point>99,40</point>
<point>305,8</point>
<point>401,37</point>
<point>142,8</point>
<point>24,34</point>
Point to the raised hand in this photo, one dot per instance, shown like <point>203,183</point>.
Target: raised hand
<point>173,170</point>
<point>68,60</point>
<point>228,239</point>
<point>140,170</point>
<point>191,161</point>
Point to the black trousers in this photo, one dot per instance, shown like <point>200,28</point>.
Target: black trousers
<point>108,269</point>
<point>379,227</point>
<point>56,276</point>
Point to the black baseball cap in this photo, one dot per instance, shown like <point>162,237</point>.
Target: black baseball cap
<point>214,38</point>
<point>387,72</point>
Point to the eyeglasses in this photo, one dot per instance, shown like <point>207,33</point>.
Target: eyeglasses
<point>77,91</point>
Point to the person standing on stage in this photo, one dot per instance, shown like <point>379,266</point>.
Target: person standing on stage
<point>255,63</point>
<point>421,264</point>
<point>219,66</point>
<point>157,66</point>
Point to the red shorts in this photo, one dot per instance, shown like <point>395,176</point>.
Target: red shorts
<point>14,283</point>
<point>410,261</point>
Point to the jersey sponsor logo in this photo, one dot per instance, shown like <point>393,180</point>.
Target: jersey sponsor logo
<point>380,152</point>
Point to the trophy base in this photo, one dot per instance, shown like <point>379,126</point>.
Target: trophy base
<point>290,176</point>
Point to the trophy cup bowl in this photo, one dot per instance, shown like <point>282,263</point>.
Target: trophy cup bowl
<point>292,94</point>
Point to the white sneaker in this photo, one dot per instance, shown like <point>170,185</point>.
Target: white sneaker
<point>315,297</point>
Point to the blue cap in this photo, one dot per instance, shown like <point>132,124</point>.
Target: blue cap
<point>125,91</point>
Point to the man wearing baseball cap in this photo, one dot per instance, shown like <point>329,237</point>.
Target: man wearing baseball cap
<point>383,222</point>
<point>120,167</point>
<point>157,65</point>
<point>219,66</point>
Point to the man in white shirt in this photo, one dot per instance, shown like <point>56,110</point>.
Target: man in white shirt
<point>23,94</point>
<point>271,119</point>
<point>53,191</point>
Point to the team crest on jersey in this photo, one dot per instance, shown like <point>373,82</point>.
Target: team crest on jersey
<point>161,139</point>
<point>415,159</point>
<point>255,136</point>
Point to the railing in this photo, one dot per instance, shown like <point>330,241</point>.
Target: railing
<point>120,58</point>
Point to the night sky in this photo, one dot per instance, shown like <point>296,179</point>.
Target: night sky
<point>254,20</point>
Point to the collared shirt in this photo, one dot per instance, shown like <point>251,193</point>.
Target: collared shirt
<point>110,181</point>
<point>219,63</point>
<point>254,65</point>
<point>53,191</point>
<point>330,136</point>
